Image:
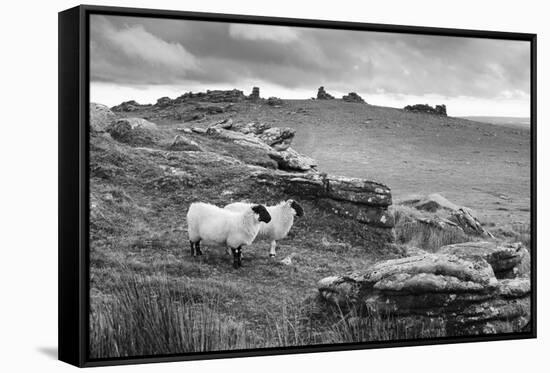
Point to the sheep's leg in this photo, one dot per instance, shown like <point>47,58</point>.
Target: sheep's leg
<point>236,257</point>
<point>240,254</point>
<point>272,252</point>
<point>195,248</point>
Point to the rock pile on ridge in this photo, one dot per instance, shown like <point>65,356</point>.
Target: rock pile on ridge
<point>424,108</point>
<point>217,96</point>
<point>129,106</point>
<point>274,141</point>
<point>274,101</point>
<point>353,97</point>
<point>255,95</point>
<point>323,95</point>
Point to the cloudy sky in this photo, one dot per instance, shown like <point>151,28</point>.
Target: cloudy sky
<point>146,58</point>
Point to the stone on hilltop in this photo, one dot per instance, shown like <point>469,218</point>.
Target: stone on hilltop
<point>274,101</point>
<point>128,106</point>
<point>425,108</point>
<point>323,95</point>
<point>353,97</point>
<point>255,95</point>
<point>164,101</point>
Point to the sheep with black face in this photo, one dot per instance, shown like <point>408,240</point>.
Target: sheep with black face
<point>282,219</point>
<point>233,229</point>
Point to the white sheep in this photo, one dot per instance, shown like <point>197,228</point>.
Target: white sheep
<point>217,226</point>
<point>282,219</point>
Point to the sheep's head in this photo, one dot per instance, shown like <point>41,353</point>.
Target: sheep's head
<point>262,214</point>
<point>298,210</point>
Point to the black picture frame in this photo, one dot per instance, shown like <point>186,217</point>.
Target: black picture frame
<point>74,180</point>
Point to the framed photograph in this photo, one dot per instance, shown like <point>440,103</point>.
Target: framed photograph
<point>234,186</point>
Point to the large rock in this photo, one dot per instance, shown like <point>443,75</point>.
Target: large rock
<point>164,102</point>
<point>137,123</point>
<point>459,217</point>
<point>470,224</point>
<point>100,117</point>
<point>503,258</point>
<point>129,106</point>
<point>133,131</point>
<point>277,137</point>
<point>244,139</point>
<point>353,97</point>
<point>424,108</point>
<point>255,95</point>
<point>323,95</point>
<point>291,160</point>
<point>274,101</point>
<point>255,128</point>
<point>338,188</point>
<point>233,95</point>
<point>464,293</point>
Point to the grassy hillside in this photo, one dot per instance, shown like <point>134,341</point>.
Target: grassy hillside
<point>148,295</point>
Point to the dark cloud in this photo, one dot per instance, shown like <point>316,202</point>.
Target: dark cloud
<point>134,51</point>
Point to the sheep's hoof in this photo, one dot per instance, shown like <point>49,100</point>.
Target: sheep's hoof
<point>271,256</point>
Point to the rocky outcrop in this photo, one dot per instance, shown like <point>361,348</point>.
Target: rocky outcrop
<point>133,131</point>
<point>287,159</point>
<point>254,128</point>
<point>364,201</point>
<point>275,141</point>
<point>323,95</point>
<point>278,138</point>
<point>458,217</point>
<point>129,106</point>
<point>216,96</point>
<point>424,108</point>
<point>291,160</point>
<point>164,102</point>
<point>100,117</point>
<point>338,188</point>
<point>353,97</point>
<point>505,259</point>
<point>274,101</point>
<point>463,293</point>
<point>255,95</point>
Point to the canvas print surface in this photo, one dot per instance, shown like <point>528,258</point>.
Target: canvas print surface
<point>259,186</point>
